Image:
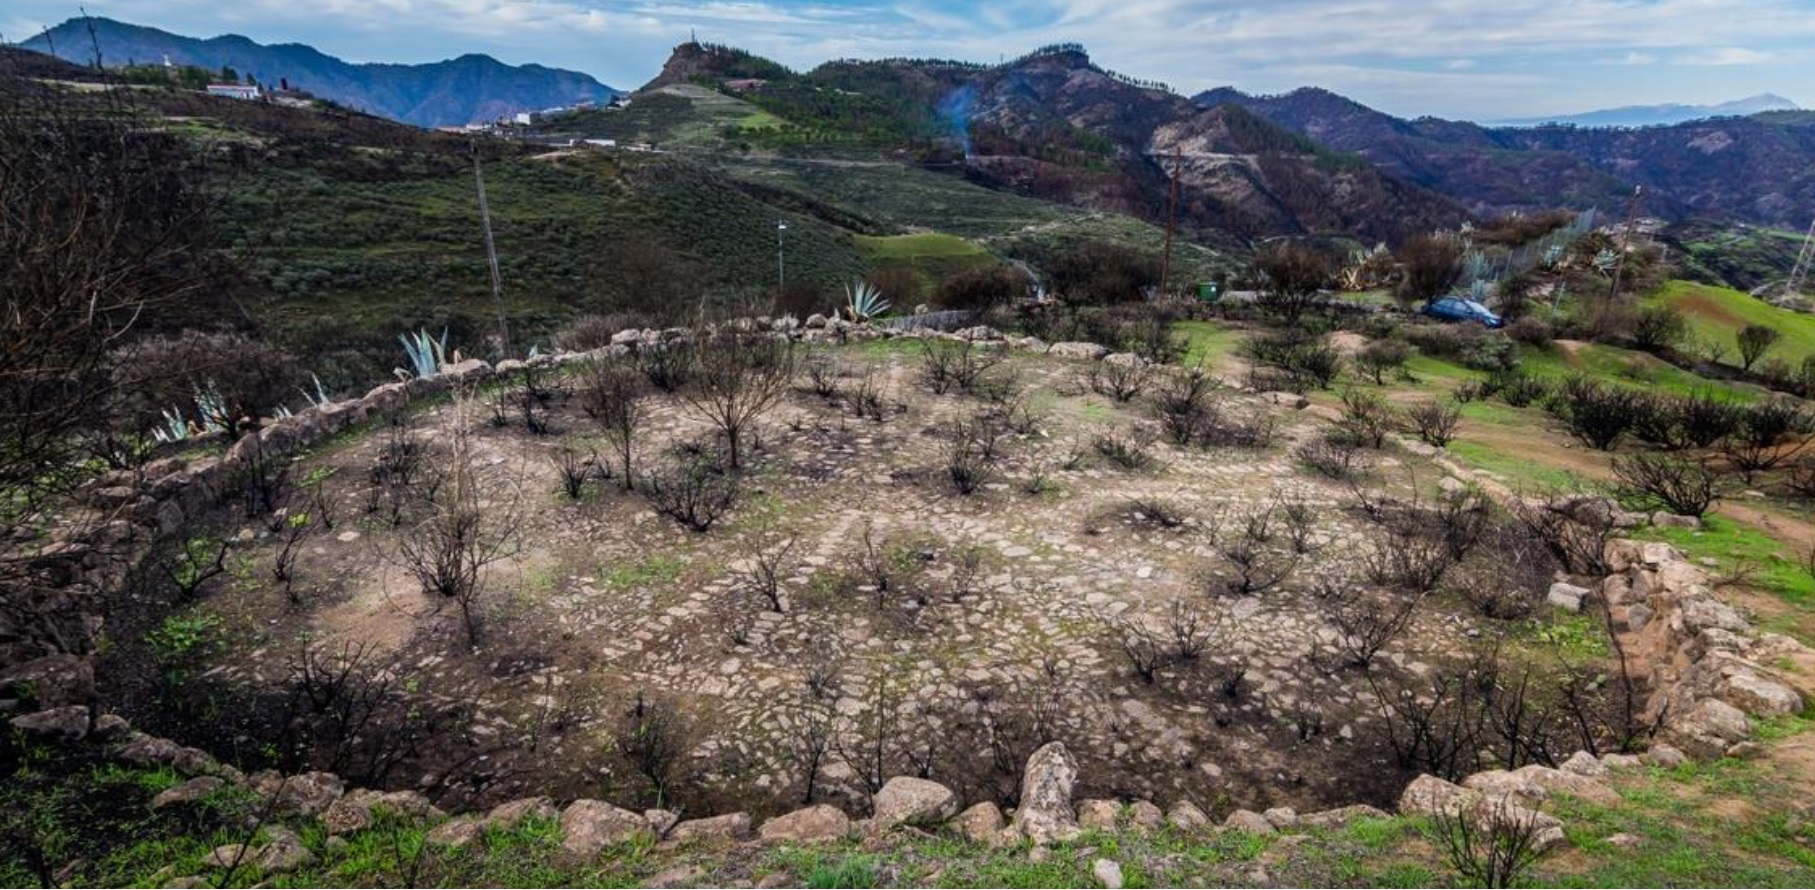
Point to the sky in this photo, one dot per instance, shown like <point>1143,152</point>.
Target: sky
<point>1465,59</point>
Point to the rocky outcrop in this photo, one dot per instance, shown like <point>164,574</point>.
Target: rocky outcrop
<point>1706,667</point>
<point>1045,815</point>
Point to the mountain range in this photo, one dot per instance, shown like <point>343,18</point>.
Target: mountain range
<point>1659,115</point>
<point>1759,168</point>
<point>456,91</point>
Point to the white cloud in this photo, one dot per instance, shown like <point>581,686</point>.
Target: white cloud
<point>1727,55</point>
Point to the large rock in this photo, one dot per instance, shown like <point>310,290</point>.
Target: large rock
<point>982,823</point>
<point>53,681</point>
<point>65,724</point>
<point>1248,821</point>
<point>357,810</point>
<point>1098,814</point>
<point>1340,816</point>
<point>1428,795</point>
<point>510,814</point>
<point>1186,816</point>
<point>189,792</point>
<point>822,822</point>
<point>589,826</point>
<point>905,800</point>
<point>1045,815</point>
<point>728,828</point>
<point>1708,729</point>
<point>1754,694</point>
<point>1089,351</point>
<point>283,854</point>
<point>306,794</point>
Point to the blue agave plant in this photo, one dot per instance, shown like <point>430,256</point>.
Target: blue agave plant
<point>863,301</point>
<point>426,354</point>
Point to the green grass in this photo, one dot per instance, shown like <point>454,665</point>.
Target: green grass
<point>1519,472</point>
<point>1206,342</point>
<point>1735,547</point>
<point>915,246</point>
<point>1717,314</point>
<point>651,572</point>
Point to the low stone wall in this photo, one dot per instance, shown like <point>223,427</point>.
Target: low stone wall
<point>1705,665</point>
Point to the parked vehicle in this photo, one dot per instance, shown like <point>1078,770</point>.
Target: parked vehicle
<point>1462,309</point>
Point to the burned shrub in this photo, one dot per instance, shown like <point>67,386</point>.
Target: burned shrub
<point>1334,456</point>
<point>1366,417</point>
<point>695,490</point>
<point>949,364</point>
<point>1121,379</point>
<point>1596,414</point>
<point>1434,423</point>
<point>1130,449</point>
<point>1682,485</point>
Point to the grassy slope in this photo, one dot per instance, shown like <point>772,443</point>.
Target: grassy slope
<point>1718,313</point>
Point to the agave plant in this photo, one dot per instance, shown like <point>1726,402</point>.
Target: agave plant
<point>426,354</point>
<point>213,410</point>
<point>319,398</point>
<point>863,301</point>
<point>176,428</point>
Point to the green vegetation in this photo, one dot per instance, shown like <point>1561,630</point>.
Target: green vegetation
<point>1717,314</point>
<point>1742,551</point>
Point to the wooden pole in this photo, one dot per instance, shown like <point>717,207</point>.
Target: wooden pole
<point>491,254</point>
<point>1171,222</point>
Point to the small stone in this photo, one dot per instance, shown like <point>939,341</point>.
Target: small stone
<point>982,823</point>
<point>589,826</point>
<point>1098,814</point>
<point>1663,757</point>
<point>189,792</point>
<point>1624,840</point>
<point>1248,821</point>
<point>1144,816</point>
<point>726,828</point>
<point>1108,873</point>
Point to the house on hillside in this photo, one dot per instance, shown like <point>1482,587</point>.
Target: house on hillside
<point>233,90</point>
<point>745,84</point>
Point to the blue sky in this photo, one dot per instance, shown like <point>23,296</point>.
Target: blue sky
<point>1452,58</point>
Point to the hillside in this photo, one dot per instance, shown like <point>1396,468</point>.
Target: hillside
<point>457,91</point>
<point>1054,125</point>
<point>1760,169</point>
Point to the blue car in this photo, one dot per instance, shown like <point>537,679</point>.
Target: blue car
<point>1462,309</point>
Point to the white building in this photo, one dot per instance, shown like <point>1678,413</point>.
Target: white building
<point>233,90</point>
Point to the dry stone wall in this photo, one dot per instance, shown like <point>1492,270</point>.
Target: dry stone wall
<point>1707,668</point>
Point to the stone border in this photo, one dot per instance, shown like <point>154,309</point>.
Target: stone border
<point>1703,662</point>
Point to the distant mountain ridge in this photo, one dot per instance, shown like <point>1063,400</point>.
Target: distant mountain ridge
<point>1054,125</point>
<point>1759,168</point>
<point>1658,115</point>
<point>457,91</point>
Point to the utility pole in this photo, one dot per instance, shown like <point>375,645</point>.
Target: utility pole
<point>1619,263</point>
<point>1803,261</point>
<point>1171,221</point>
<point>781,265</point>
<point>491,253</point>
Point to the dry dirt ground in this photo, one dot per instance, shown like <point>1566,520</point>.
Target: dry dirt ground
<point>603,598</point>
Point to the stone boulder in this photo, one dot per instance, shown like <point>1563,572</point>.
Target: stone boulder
<point>1340,816</point>
<point>188,792</point>
<point>589,826</point>
<point>1566,596</point>
<point>510,814</point>
<point>1754,694</point>
<point>905,800</point>
<point>53,681</point>
<point>1144,816</point>
<point>65,724</point>
<point>1045,815</point>
<point>1186,816</point>
<point>982,823</point>
<point>1248,821</point>
<point>1085,351</point>
<point>1428,795</point>
<point>305,794</point>
<point>1708,729</point>
<point>357,810</point>
<point>813,824</point>
<point>1098,814</point>
<point>728,828</point>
